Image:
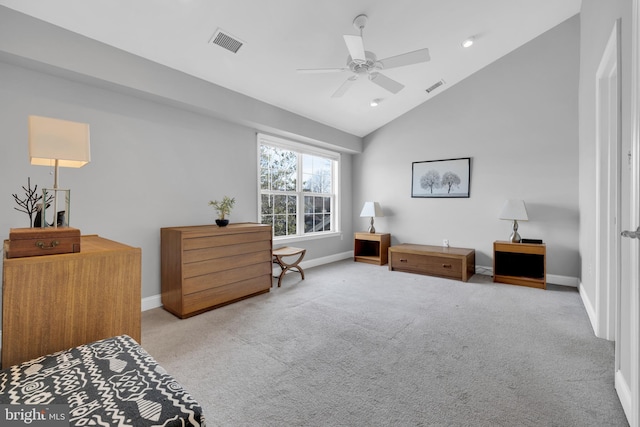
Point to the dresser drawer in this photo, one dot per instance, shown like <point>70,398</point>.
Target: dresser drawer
<point>201,242</point>
<point>223,277</point>
<point>214,297</point>
<point>214,252</point>
<point>202,268</point>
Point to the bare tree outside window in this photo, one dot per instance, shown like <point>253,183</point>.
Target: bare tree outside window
<point>297,194</point>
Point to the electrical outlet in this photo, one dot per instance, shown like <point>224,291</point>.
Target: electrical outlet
<point>445,243</point>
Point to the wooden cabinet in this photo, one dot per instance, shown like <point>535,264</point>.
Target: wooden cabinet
<point>55,302</point>
<point>204,267</point>
<point>521,264</point>
<point>453,263</point>
<point>371,248</point>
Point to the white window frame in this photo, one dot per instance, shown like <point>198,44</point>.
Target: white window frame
<point>301,148</point>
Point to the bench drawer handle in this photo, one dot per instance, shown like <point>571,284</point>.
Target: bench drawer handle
<point>403,260</point>
<point>53,244</point>
<point>446,265</point>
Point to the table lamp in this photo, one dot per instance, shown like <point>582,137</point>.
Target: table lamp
<point>58,143</point>
<point>371,209</point>
<point>514,210</point>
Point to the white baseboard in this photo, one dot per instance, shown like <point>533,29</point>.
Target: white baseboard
<point>589,308</point>
<point>551,278</point>
<point>563,280</point>
<point>625,395</point>
<point>326,260</point>
<point>155,301</point>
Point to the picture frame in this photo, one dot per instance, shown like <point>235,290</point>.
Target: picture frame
<point>448,178</point>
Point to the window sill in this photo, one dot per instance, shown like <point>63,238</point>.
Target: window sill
<point>292,239</point>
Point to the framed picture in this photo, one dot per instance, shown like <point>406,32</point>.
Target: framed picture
<point>441,178</point>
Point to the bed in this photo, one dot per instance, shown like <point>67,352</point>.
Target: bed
<point>111,382</point>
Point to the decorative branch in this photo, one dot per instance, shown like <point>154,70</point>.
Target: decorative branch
<point>29,204</point>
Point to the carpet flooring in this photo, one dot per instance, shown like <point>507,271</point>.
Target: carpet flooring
<point>357,345</point>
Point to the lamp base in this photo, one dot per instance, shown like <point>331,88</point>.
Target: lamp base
<point>515,237</point>
<point>57,197</point>
<point>371,228</point>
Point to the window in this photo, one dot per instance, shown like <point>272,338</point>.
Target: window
<point>298,188</point>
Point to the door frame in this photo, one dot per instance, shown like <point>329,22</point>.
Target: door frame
<point>608,142</point>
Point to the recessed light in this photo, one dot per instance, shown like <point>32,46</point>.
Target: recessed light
<point>468,42</point>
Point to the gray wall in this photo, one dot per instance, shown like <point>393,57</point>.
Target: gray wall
<point>157,158</point>
<point>517,119</point>
<point>597,21</point>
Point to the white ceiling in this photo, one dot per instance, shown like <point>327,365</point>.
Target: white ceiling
<point>281,36</point>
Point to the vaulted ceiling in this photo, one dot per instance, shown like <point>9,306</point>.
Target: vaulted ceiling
<point>281,36</point>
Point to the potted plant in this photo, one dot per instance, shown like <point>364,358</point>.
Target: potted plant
<point>224,208</point>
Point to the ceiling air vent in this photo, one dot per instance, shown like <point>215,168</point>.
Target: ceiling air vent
<point>435,86</point>
<point>227,41</point>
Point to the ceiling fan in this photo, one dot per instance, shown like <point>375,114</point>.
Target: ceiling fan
<point>363,62</point>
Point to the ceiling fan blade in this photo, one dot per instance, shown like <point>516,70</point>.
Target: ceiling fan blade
<point>386,83</point>
<point>321,70</point>
<point>344,87</point>
<point>355,45</point>
<point>409,58</point>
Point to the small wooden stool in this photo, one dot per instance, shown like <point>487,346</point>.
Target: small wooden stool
<point>280,253</point>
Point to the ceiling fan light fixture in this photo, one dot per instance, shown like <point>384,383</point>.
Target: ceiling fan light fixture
<point>360,21</point>
<point>363,62</point>
<point>468,42</point>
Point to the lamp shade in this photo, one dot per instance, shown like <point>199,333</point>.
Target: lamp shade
<point>514,210</point>
<point>371,209</point>
<point>62,140</point>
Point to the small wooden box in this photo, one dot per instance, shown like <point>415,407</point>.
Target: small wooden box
<point>24,242</point>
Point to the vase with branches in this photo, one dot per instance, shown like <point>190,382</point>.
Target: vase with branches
<point>29,204</point>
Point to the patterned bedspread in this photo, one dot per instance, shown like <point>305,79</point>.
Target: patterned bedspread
<point>112,382</point>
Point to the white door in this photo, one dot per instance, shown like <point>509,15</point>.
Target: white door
<point>627,375</point>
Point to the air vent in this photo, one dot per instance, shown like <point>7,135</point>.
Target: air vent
<point>435,86</point>
<point>227,41</point>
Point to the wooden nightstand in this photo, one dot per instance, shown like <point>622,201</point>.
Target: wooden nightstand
<point>371,248</point>
<point>521,264</point>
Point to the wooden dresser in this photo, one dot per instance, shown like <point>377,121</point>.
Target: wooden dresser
<point>453,263</point>
<point>206,266</point>
<point>55,302</point>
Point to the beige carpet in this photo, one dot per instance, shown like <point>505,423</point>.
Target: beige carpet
<point>358,345</point>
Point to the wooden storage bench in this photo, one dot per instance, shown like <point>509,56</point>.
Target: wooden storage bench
<point>453,263</point>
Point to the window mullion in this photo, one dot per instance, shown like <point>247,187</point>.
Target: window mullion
<point>299,186</point>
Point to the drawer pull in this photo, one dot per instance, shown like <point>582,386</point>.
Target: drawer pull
<point>446,265</point>
<point>53,244</point>
<point>403,260</point>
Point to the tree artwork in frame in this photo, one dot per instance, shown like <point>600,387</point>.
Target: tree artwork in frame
<point>441,178</point>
